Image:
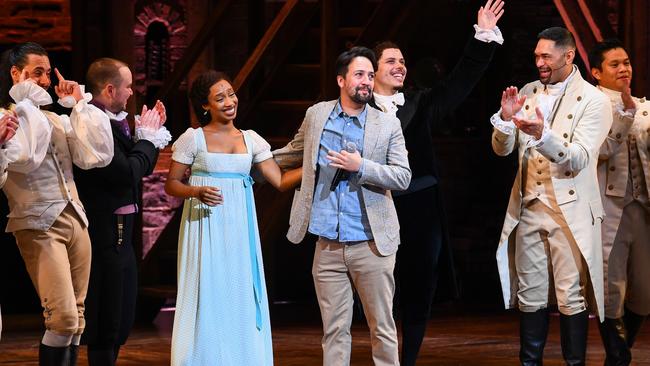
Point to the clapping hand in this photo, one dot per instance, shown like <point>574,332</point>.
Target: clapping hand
<point>67,87</point>
<point>8,126</point>
<point>153,118</point>
<point>531,127</point>
<point>489,14</point>
<point>511,103</point>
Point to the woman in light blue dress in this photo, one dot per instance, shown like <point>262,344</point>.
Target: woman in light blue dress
<point>222,315</point>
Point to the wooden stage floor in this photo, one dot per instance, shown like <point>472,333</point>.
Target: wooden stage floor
<point>473,339</point>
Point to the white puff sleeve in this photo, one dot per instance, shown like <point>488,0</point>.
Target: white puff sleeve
<point>261,148</point>
<point>184,149</point>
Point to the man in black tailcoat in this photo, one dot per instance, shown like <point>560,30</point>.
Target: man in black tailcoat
<point>422,226</point>
<point>111,196</point>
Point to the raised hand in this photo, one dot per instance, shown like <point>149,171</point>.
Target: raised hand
<point>8,126</point>
<point>511,103</point>
<point>67,87</point>
<point>489,14</point>
<point>626,96</point>
<point>24,76</point>
<point>531,127</point>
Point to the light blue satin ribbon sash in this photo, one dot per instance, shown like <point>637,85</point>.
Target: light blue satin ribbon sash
<point>257,281</point>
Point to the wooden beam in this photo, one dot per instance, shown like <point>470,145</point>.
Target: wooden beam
<point>288,31</point>
<point>194,50</point>
<point>635,34</point>
<point>264,44</point>
<point>328,47</point>
<point>588,23</point>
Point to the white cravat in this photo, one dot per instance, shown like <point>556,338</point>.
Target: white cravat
<point>116,117</point>
<point>389,103</point>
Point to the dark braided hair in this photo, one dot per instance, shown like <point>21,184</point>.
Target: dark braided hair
<point>16,56</point>
<point>200,91</point>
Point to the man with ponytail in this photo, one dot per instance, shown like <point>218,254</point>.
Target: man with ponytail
<point>46,215</point>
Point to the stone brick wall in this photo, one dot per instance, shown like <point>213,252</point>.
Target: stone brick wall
<point>45,21</point>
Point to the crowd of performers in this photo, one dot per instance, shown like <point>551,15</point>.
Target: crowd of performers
<point>575,237</point>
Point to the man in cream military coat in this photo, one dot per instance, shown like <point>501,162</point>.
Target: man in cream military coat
<point>354,217</point>
<point>550,247</point>
<point>624,177</point>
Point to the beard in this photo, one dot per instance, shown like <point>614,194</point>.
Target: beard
<point>359,98</point>
<point>545,79</point>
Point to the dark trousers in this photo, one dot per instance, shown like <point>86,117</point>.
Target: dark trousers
<point>112,291</point>
<point>416,268</point>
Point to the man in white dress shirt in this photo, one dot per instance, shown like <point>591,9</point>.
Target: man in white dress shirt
<point>46,216</point>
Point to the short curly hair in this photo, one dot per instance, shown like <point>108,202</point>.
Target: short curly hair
<point>200,90</point>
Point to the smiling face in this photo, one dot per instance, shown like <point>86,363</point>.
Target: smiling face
<point>554,64</point>
<point>222,102</point>
<point>358,82</point>
<point>615,71</point>
<point>391,72</point>
<point>39,69</point>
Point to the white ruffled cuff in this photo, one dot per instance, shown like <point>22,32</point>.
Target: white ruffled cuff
<point>507,127</point>
<point>620,108</point>
<point>159,138</point>
<point>539,143</point>
<point>70,102</point>
<point>488,35</point>
<point>31,91</point>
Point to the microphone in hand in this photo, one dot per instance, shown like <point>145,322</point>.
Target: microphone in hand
<point>342,174</point>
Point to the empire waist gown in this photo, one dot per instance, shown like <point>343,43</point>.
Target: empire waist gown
<point>222,315</point>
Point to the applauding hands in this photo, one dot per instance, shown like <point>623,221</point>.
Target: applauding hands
<point>511,104</point>
<point>153,118</point>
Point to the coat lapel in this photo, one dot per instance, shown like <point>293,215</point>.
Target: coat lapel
<point>406,112</point>
<point>371,131</point>
<point>321,117</point>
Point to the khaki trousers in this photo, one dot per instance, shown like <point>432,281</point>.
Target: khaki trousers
<point>58,263</point>
<point>547,258</point>
<point>337,269</point>
<point>628,272</point>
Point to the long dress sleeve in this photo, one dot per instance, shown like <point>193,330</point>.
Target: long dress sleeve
<point>27,149</point>
<point>89,135</point>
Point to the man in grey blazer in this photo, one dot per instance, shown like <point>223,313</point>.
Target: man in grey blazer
<point>352,157</point>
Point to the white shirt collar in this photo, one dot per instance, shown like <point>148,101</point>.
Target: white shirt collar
<point>116,117</point>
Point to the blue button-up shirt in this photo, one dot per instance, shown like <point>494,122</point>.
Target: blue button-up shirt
<point>340,214</point>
